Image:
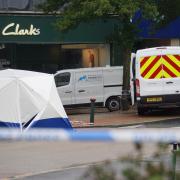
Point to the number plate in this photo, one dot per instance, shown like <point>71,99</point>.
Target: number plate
<point>154,99</point>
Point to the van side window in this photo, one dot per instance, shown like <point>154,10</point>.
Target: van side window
<point>62,79</point>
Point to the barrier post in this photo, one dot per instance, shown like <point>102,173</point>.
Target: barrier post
<point>92,111</point>
<point>124,100</point>
<point>174,151</point>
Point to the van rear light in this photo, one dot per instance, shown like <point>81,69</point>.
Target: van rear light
<point>137,88</point>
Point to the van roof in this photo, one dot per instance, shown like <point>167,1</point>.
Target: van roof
<point>90,69</point>
<point>156,48</point>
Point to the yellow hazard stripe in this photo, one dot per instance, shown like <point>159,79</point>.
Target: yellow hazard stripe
<point>146,64</point>
<point>173,58</point>
<point>166,75</point>
<point>171,68</point>
<point>159,63</point>
<point>159,75</point>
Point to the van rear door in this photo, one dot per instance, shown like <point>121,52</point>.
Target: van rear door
<point>132,77</point>
<point>150,73</point>
<point>171,70</point>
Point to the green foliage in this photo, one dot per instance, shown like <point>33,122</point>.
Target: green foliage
<point>131,174</point>
<point>135,168</point>
<point>104,172</point>
<point>75,11</point>
<point>168,10</point>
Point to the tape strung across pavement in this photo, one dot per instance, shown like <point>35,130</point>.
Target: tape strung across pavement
<point>165,135</point>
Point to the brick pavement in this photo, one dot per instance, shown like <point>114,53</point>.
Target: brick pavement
<point>117,118</point>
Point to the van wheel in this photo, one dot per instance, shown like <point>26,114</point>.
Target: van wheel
<point>113,104</point>
<point>141,111</point>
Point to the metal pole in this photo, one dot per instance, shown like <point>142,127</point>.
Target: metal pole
<point>174,160</point>
<point>92,111</point>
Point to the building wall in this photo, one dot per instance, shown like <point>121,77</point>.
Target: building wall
<point>34,43</point>
<point>175,42</point>
<point>38,29</point>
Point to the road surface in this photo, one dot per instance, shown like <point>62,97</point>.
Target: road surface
<point>66,160</point>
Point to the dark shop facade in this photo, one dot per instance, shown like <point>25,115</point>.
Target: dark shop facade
<point>33,42</point>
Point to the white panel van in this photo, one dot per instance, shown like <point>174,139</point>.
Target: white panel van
<point>155,78</point>
<point>77,86</point>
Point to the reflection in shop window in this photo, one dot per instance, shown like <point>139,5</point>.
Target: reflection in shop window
<point>91,59</point>
<point>4,64</point>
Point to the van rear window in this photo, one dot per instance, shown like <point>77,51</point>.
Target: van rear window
<point>160,66</point>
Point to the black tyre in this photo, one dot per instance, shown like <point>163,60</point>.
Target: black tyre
<point>113,104</point>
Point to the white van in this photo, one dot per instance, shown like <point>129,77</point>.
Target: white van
<point>155,78</point>
<point>77,86</point>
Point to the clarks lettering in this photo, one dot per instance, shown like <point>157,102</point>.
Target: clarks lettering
<point>15,30</point>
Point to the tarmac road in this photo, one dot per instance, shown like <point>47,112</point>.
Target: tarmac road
<point>67,160</point>
<point>21,159</point>
<point>77,172</point>
<point>42,160</point>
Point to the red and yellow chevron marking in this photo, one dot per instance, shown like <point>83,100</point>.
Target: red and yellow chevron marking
<point>156,67</point>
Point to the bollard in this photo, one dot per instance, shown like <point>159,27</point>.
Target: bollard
<point>124,100</point>
<point>174,153</point>
<point>92,111</point>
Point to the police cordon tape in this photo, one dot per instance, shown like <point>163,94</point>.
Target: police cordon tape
<point>164,135</point>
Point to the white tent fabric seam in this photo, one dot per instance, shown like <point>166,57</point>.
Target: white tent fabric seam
<point>30,99</point>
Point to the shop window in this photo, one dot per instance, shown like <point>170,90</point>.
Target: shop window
<point>71,58</point>
<point>14,4</point>
<point>62,79</point>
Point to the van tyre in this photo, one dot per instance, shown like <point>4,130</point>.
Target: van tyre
<point>141,111</point>
<point>113,104</point>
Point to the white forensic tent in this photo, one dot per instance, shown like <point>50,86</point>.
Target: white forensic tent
<point>29,99</point>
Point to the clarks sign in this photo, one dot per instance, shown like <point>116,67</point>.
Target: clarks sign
<point>13,29</point>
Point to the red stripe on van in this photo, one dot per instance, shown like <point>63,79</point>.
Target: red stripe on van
<point>144,60</point>
<point>171,63</point>
<point>155,73</point>
<point>169,71</point>
<point>177,57</point>
<point>150,66</point>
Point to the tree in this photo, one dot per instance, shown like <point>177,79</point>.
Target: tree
<point>168,11</point>
<point>74,12</point>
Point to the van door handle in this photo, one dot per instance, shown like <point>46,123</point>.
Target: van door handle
<point>68,91</point>
<point>81,91</point>
<point>169,82</point>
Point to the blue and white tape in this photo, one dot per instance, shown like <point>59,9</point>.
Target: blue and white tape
<point>122,135</point>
